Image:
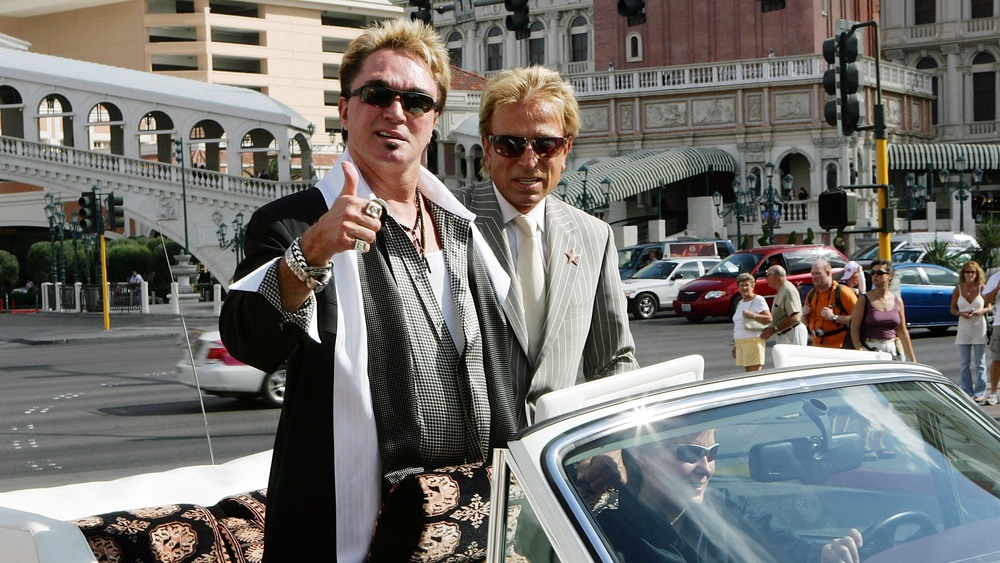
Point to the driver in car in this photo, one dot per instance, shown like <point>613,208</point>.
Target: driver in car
<point>665,507</point>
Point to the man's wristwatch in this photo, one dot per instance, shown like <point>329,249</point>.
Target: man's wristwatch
<point>314,277</point>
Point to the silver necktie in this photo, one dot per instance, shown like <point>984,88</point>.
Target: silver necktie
<point>531,275</point>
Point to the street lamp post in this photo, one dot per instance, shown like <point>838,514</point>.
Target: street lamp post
<point>179,154</point>
<point>239,232</point>
<point>74,229</point>
<point>60,222</point>
<point>741,207</point>
<point>771,198</point>
<point>916,195</point>
<point>50,214</point>
<point>585,200</point>
<point>961,191</point>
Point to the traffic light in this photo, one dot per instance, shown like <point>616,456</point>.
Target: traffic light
<point>850,84</point>
<point>830,82</point>
<point>843,82</point>
<point>422,12</point>
<point>116,212</point>
<point>517,20</point>
<point>634,10</point>
<point>90,212</point>
<point>837,209</point>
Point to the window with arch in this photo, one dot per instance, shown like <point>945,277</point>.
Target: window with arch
<point>930,64</point>
<point>494,49</point>
<point>536,44</point>
<point>984,88</point>
<point>455,47</point>
<point>633,47</point>
<point>579,40</point>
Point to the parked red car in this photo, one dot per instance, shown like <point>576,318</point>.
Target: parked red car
<point>715,293</point>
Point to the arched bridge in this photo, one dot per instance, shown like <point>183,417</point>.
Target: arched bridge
<point>153,193</point>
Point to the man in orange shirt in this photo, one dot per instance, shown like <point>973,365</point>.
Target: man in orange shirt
<point>827,308</point>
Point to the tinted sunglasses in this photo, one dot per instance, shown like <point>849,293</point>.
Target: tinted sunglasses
<point>879,272</point>
<point>509,146</point>
<point>691,453</point>
<point>382,97</point>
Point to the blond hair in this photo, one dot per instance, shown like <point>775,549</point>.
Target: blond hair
<point>521,85</point>
<point>413,37</point>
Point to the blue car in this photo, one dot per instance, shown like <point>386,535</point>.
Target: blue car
<point>926,291</point>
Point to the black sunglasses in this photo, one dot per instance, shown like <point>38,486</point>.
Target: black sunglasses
<point>510,146</point>
<point>691,453</point>
<point>879,272</point>
<point>382,97</point>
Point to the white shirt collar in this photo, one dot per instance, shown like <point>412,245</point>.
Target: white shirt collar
<point>508,212</point>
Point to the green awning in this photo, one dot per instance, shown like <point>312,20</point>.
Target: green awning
<point>645,170</point>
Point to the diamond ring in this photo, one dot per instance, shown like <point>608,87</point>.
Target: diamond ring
<point>361,246</point>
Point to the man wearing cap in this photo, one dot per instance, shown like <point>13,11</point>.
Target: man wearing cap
<point>786,310</point>
<point>854,278</point>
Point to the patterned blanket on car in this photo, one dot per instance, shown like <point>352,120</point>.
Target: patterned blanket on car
<point>231,531</point>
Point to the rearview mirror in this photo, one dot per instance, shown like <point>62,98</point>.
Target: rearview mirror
<point>808,460</point>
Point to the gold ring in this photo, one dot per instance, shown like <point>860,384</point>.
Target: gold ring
<point>373,209</point>
<point>361,246</point>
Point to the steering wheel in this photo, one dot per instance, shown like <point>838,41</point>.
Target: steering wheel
<point>882,534</point>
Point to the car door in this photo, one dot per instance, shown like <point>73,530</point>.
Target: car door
<point>684,273</point>
<point>917,296</point>
<point>941,283</point>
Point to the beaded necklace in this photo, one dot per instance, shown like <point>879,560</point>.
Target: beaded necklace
<point>417,232</point>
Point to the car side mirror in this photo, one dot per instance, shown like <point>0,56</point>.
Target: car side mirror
<point>677,276</point>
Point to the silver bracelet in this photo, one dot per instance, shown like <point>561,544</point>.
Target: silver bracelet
<point>314,277</point>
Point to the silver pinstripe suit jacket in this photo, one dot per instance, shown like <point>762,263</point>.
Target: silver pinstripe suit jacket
<point>586,310</point>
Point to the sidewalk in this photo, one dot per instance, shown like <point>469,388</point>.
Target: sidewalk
<point>51,327</point>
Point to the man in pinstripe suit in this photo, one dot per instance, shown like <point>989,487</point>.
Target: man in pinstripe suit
<point>528,119</point>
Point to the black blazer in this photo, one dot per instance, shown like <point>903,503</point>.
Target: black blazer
<point>300,522</point>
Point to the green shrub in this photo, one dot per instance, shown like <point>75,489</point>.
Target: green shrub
<point>10,271</point>
<point>125,255</point>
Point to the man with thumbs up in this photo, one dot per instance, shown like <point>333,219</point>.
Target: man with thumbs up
<point>384,299</point>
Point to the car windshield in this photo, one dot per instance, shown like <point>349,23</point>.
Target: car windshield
<point>627,256</point>
<point>735,264</point>
<point>655,271</point>
<point>898,460</point>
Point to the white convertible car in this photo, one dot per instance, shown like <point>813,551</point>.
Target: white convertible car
<point>763,467</point>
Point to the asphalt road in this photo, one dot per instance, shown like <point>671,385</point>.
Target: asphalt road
<point>82,403</point>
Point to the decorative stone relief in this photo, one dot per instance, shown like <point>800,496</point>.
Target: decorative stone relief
<point>893,111</point>
<point>594,119</point>
<point>755,146</point>
<point>715,111</point>
<point>915,116</point>
<point>791,105</point>
<point>167,208</point>
<point>626,117</point>
<point>755,108</point>
<point>666,114</point>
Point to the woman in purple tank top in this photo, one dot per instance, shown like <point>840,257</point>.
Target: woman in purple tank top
<point>878,318</point>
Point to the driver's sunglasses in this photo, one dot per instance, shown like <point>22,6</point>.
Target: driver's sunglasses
<point>381,97</point>
<point>691,453</point>
<point>510,146</point>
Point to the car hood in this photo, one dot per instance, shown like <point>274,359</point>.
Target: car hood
<point>708,284</point>
<point>644,284</point>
